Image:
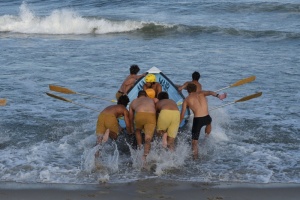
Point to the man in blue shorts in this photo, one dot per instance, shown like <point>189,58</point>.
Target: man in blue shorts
<point>197,102</point>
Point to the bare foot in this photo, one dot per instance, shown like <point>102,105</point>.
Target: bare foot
<point>106,135</point>
<point>164,140</point>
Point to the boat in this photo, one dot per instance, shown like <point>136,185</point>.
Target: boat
<point>167,86</point>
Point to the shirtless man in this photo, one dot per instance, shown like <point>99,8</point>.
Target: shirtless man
<point>107,124</point>
<point>168,119</point>
<point>129,81</point>
<point>142,112</point>
<point>195,80</point>
<point>197,102</point>
<point>151,86</point>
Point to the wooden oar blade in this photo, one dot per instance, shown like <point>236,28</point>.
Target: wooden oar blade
<point>243,81</point>
<point>2,102</point>
<point>61,89</point>
<point>249,97</point>
<point>58,97</point>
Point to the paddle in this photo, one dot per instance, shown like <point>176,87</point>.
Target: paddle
<point>246,98</point>
<point>2,102</point>
<point>68,91</point>
<point>238,83</point>
<point>70,101</point>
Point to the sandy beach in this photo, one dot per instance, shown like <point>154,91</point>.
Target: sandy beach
<point>150,189</point>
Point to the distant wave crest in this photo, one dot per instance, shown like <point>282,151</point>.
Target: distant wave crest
<point>69,22</point>
<point>62,22</point>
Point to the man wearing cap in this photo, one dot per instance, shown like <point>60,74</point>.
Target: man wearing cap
<point>152,87</point>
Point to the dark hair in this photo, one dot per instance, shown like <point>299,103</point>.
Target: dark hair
<point>196,76</point>
<point>163,95</point>
<point>134,69</point>
<point>123,100</point>
<point>191,87</point>
<point>142,93</point>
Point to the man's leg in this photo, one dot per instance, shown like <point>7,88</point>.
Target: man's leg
<point>171,145</point>
<point>138,137</point>
<point>165,140</point>
<point>147,147</point>
<point>106,135</point>
<point>208,129</point>
<point>195,149</point>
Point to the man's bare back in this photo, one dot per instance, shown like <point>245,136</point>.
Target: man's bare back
<point>129,82</point>
<point>143,104</point>
<point>116,110</point>
<point>166,104</point>
<point>197,102</point>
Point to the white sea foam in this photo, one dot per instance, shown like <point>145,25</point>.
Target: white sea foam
<point>64,21</point>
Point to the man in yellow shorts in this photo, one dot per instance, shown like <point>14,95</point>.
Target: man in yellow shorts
<point>107,124</point>
<point>142,114</point>
<point>168,119</point>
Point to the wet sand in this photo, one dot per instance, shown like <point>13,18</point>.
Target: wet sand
<point>150,189</point>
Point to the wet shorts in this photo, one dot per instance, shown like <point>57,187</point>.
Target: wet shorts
<point>107,121</point>
<point>119,94</point>
<point>198,123</point>
<point>169,120</point>
<point>146,121</point>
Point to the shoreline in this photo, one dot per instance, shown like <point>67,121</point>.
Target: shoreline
<point>150,189</point>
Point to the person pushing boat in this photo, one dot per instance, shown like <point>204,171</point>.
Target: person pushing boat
<point>197,102</point>
<point>129,81</point>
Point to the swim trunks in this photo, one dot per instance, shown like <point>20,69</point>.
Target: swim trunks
<point>146,121</point>
<point>169,120</point>
<point>119,94</point>
<point>107,121</point>
<point>198,123</point>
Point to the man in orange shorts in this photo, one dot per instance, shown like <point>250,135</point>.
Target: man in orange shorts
<point>107,124</point>
<point>142,112</point>
<point>168,119</point>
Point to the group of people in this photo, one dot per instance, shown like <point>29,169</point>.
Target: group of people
<point>153,112</point>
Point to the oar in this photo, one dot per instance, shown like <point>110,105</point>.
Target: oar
<point>238,83</point>
<point>2,102</point>
<point>70,101</point>
<point>246,98</point>
<point>68,91</point>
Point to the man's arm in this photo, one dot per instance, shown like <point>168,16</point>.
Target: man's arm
<point>159,89</point>
<point>139,76</point>
<point>144,87</point>
<point>127,121</point>
<point>180,88</point>
<point>220,96</point>
<point>184,105</point>
<point>131,116</point>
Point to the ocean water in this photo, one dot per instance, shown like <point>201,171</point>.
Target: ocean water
<point>88,46</point>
